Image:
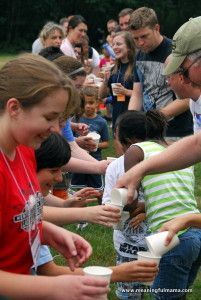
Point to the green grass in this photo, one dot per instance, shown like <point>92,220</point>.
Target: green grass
<point>100,237</point>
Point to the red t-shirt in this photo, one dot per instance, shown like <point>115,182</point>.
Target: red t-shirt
<point>15,216</point>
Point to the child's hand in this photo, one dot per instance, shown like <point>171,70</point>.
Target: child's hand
<point>139,270</point>
<point>72,246</point>
<point>87,192</point>
<point>135,222</point>
<point>103,214</point>
<point>139,209</point>
<point>78,202</point>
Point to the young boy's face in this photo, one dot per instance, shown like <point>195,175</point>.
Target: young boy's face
<point>47,178</point>
<point>90,106</point>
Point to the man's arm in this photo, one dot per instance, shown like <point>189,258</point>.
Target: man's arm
<point>179,155</point>
<point>136,99</point>
<point>76,165</point>
<point>78,152</point>
<point>175,108</point>
<point>182,222</point>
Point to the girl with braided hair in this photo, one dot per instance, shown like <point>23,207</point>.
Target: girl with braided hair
<point>165,196</point>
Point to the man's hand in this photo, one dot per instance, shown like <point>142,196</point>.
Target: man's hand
<point>86,143</point>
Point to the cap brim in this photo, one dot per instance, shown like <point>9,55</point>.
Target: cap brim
<point>174,64</point>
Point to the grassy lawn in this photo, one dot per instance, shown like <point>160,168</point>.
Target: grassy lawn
<point>100,237</point>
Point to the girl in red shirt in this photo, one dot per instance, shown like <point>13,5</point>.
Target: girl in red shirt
<point>33,95</point>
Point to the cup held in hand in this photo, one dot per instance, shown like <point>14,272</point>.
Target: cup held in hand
<point>148,256</point>
<point>120,207</point>
<point>101,272</point>
<point>156,243</point>
<point>98,271</point>
<point>120,97</point>
<point>96,138</point>
<point>119,196</point>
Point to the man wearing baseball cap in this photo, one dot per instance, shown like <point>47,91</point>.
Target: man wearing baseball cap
<point>183,69</point>
<point>187,40</point>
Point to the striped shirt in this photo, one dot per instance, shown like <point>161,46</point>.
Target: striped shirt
<point>167,195</point>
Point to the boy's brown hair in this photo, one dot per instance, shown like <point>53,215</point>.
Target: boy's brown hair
<point>143,17</point>
<point>90,91</point>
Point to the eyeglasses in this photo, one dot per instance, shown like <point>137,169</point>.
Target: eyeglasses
<point>185,71</point>
<point>169,77</point>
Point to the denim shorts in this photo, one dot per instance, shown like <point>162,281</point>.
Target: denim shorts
<point>178,268</point>
<point>126,290</point>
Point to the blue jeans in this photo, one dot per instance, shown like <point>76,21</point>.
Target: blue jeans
<point>178,268</point>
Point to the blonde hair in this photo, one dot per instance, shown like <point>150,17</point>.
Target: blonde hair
<point>48,29</point>
<point>30,78</point>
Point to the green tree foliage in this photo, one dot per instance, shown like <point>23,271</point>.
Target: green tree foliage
<point>21,20</point>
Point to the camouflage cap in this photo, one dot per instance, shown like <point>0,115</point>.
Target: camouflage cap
<point>186,40</point>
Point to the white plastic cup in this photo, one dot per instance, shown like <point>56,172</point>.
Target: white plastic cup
<point>101,272</point>
<point>98,271</point>
<point>156,243</point>
<point>114,85</point>
<point>120,97</point>
<point>96,138</point>
<point>119,196</point>
<point>148,256</point>
<point>120,207</point>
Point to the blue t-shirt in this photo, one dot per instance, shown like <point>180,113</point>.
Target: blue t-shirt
<point>99,125</point>
<point>45,256</point>
<point>67,132</point>
<point>120,107</point>
<point>156,92</point>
